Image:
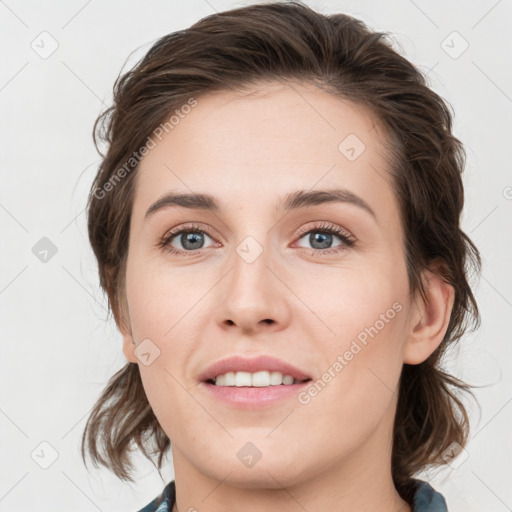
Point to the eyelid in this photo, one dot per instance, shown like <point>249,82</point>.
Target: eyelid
<point>188,226</point>
<point>322,224</point>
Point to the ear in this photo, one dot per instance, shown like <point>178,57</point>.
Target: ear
<point>124,325</point>
<point>119,304</point>
<point>128,348</point>
<point>430,318</point>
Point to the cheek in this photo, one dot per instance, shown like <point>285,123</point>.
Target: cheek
<point>160,299</point>
<point>366,314</point>
<point>352,300</point>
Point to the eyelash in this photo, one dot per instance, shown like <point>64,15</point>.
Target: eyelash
<point>332,229</point>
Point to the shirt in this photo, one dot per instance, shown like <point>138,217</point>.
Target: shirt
<point>426,499</point>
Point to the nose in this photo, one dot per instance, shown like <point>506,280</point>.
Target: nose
<point>253,298</point>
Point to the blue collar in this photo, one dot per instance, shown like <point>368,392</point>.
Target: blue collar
<point>427,499</point>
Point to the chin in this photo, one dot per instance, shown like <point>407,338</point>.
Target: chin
<point>269,472</point>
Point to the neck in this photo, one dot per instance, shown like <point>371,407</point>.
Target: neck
<point>359,481</point>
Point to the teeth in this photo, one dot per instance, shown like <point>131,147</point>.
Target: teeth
<point>257,379</point>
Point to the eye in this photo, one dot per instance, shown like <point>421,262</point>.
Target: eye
<point>189,239</point>
<point>321,238</point>
<point>186,240</point>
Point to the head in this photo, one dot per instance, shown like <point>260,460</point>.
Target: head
<point>266,110</point>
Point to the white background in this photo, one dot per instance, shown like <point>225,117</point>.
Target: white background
<point>58,350</point>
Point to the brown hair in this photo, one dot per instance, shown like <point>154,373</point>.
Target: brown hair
<point>290,41</point>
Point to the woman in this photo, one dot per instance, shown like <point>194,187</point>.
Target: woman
<point>277,227</point>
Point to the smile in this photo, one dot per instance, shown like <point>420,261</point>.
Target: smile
<point>257,379</point>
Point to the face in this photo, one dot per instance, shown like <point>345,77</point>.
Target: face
<point>315,280</point>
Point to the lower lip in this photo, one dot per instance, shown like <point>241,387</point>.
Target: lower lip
<point>253,397</point>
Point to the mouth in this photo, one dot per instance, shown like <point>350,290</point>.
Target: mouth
<point>259,379</point>
<point>255,383</point>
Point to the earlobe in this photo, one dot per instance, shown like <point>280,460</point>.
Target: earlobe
<point>429,324</point>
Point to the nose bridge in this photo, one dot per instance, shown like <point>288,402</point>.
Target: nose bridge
<point>252,295</point>
<point>249,277</point>
<point>252,253</point>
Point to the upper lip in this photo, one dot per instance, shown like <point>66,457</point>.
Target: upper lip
<point>252,365</point>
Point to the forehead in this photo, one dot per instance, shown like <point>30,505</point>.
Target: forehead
<point>264,142</point>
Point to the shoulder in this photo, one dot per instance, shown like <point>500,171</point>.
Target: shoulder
<point>163,502</point>
<point>427,499</point>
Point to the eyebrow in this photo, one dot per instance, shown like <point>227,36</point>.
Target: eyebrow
<point>292,201</point>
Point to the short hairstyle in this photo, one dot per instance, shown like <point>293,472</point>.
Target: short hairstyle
<point>289,41</point>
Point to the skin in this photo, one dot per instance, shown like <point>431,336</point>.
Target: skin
<point>248,150</point>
